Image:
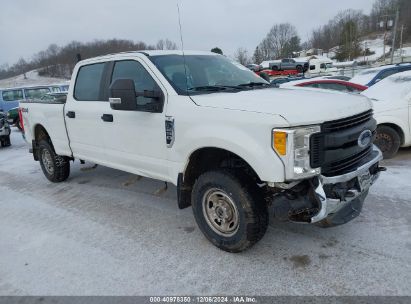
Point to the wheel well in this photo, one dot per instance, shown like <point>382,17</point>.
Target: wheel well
<point>206,159</point>
<point>397,129</point>
<point>40,133</point>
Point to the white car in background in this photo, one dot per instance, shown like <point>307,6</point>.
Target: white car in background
<point>392,110</point>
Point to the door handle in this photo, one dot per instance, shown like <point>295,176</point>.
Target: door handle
<point>71,114</point>
<point>107,117</point>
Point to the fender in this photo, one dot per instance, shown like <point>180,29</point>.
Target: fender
<point>271,169</point>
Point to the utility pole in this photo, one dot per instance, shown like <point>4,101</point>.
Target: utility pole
<point>397,17</point>
<point>401,42</point>
<point>385,24</point>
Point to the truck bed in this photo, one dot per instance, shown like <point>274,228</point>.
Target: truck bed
<point>50,116</point>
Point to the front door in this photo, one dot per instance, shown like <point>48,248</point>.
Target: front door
<point>135,140</point>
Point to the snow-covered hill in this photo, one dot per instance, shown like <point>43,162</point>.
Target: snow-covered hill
<point>31,78</point>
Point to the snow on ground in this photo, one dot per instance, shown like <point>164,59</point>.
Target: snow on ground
<point>107,232</point>
<point>32,78</point>
<point>375,45</point>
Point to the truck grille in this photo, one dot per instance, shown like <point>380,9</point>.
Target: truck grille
<point>336,148</point>
<point>347,123</point>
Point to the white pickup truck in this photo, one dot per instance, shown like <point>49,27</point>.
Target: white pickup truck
<point>231,144</point>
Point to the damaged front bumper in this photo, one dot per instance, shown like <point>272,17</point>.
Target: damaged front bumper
<point>329,201</point>
<point>340,198</point>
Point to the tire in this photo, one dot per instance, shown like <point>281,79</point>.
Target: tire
<point>299,69</point>
<point>274,68</point>
<point>223,194</point>
<point>56,168</point>
<point>388,141</point>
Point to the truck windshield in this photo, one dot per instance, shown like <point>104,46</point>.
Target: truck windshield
<point>202,74</point>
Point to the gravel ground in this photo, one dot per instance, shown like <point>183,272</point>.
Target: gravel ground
<point>106,232</point>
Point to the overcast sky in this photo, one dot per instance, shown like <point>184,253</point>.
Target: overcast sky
<point>29,26</point>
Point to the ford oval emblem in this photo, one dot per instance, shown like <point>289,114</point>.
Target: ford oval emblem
<point>365,139</point>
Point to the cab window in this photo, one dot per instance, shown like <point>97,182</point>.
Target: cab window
<point>131,69</point>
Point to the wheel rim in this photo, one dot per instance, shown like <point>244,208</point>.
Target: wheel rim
<point>220,212</point>
<point>47,161</point>
<point>384,142</point>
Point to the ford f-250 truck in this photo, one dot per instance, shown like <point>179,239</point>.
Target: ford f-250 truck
<point>231,144</point>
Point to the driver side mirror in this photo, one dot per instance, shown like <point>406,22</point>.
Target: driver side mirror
<point>123,97</point>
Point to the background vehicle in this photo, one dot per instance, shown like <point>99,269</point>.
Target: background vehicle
<point>321,66</point>
<point>4,131</point>
<point>59,97</point>
<point>339,77</point>
<point>279,81</point>
<point>370,77</point>
<point>229,141</point>
<point>328,84</point>
<point>10,98</point>
<point>289,64</point>
<point>57,88</point>
<point>253,67</point>
<point>392,106</point>
<point>275,73</point>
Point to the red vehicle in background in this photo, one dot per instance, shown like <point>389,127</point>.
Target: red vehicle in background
<point>276,73</point>
<point>328,84</point>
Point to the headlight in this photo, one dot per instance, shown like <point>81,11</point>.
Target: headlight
<point>293,147</point>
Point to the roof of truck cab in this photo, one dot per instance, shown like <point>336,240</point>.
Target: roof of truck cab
<point>150,53</point>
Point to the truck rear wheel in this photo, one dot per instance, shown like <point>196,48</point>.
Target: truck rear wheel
<point>388,141</point>
<point>229,210</point>
<point>55,167</point>
<point>299,69</point>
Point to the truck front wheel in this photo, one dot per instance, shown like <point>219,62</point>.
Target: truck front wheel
<point>229,210</point>
<point>55,167</point>
<point>388,141</point>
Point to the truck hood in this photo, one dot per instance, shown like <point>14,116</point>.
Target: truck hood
<point>297,106</point>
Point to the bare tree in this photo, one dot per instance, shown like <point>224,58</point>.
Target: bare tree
<point>241,55</point>
<point>278,42</point>
<point>165,44</point>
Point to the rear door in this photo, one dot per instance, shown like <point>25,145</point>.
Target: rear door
<point>136,140</point>
<point>85,103</point>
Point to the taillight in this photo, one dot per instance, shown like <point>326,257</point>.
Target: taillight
<point>21,120</point>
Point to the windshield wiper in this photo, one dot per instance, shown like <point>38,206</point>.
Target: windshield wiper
<point>216,88</point>
<point>253,84</point>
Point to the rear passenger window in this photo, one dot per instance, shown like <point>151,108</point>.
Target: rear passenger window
<point>12,95</point>
<point>88,82</point>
